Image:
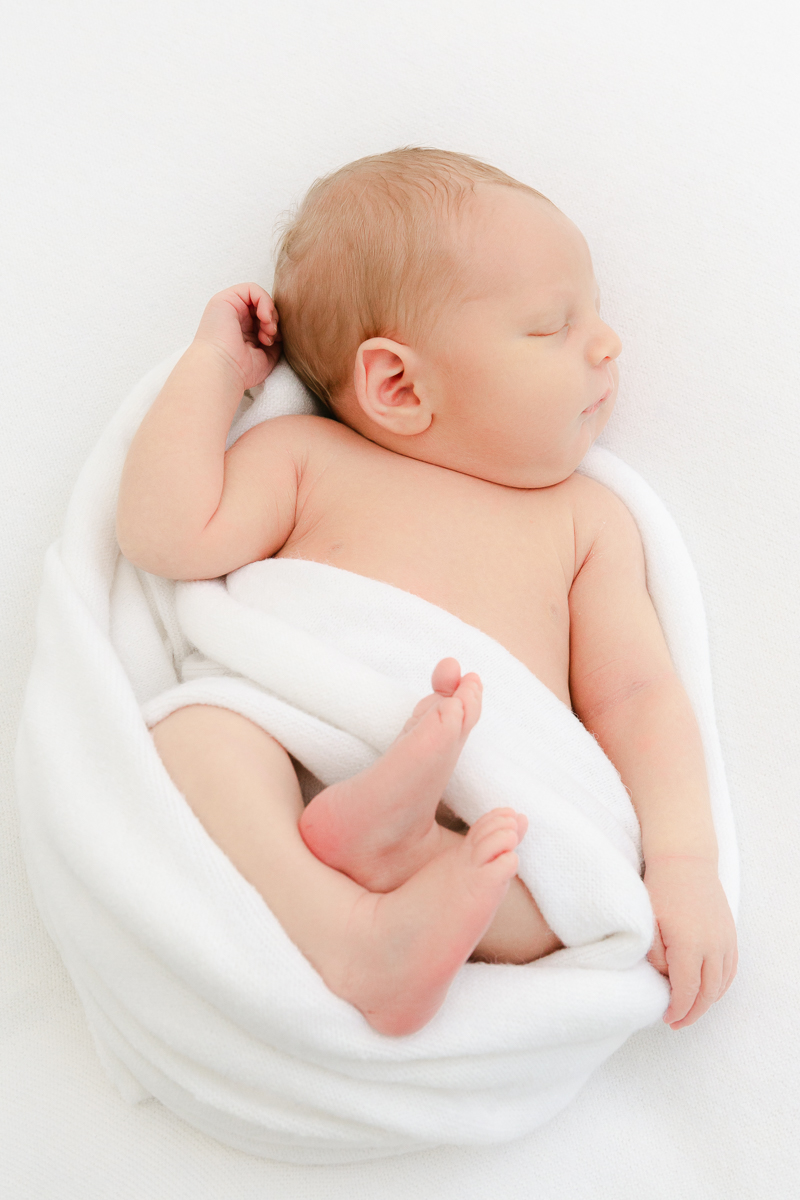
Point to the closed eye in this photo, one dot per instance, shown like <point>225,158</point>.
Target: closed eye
<point>550,333</point>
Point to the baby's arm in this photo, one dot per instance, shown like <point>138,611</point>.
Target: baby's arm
<point>626,693</point>
<point>188,510</point>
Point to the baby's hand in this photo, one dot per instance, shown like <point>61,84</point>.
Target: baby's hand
<point>695,942</point>
<point>242,324</point>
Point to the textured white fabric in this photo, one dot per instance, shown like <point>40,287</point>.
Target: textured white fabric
<point>150,147</point>
<point>191,987</point>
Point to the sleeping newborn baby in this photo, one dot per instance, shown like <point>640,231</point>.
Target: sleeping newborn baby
<point>448,317</point>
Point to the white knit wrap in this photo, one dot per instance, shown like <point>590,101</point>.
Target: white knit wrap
<point>193,992</point>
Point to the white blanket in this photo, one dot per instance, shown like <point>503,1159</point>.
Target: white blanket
<point>192,991</point>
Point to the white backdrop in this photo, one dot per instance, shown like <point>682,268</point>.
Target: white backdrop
<point>149,147</point>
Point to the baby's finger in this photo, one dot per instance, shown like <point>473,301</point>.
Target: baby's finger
<point>249,294</point>
<point>709,993</point>
<point>657,954</point>
<point>263,303</point>
<point>267,325</point>
<point>684,977</point>
<point>729,967</point>
<point>253,297</point>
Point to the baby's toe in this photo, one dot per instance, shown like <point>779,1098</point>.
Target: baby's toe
<point>494,834</point>
<point>424,706</point>
<point>451,715</point>
<point>470,693</point>
<point>446,677</point>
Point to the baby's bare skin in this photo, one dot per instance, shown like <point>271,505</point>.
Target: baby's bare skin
<point>392,954</point>
<point>450,474</point>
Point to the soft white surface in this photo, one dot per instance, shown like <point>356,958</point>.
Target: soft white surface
<point>153,145</point>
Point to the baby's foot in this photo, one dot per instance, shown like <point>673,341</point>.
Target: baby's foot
<point>407,946</point>
<point>379,827</point>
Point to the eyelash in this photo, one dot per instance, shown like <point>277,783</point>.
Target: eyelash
<point>553,334</point>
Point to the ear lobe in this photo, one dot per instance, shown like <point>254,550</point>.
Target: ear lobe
<point>384,382</point>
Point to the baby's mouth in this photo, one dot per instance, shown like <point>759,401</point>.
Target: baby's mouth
<point>610,376</point>
<point>588,412</point>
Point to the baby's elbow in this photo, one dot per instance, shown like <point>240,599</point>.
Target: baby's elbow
<point>130,546</point>
<point>144,561</point>
<point>148,557</point>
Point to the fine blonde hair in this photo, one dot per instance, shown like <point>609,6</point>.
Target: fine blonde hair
<point>370,253</point>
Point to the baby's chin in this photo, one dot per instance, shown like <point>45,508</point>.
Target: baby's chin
<point>540,471</point>
<point>525,476</point>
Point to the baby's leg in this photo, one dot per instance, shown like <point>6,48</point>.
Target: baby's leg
<point>391,955</point>
<point>380,827</point>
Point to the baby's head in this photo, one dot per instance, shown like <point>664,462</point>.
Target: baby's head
<point>449,313</point>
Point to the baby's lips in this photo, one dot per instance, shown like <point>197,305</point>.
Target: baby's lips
<point>588,412</point>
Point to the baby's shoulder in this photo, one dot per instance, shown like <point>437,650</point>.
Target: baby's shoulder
<point>587,494</point>
<point>599,518</point>
<point>303,434</point>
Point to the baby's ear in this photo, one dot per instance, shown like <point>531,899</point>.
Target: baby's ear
<point>387,387</point>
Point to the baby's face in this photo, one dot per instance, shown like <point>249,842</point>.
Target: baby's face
<point>523,374</point>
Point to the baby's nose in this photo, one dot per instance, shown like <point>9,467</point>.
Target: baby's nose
<point>604,344</point>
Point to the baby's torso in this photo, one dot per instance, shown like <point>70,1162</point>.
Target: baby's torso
<point>500,559</point>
